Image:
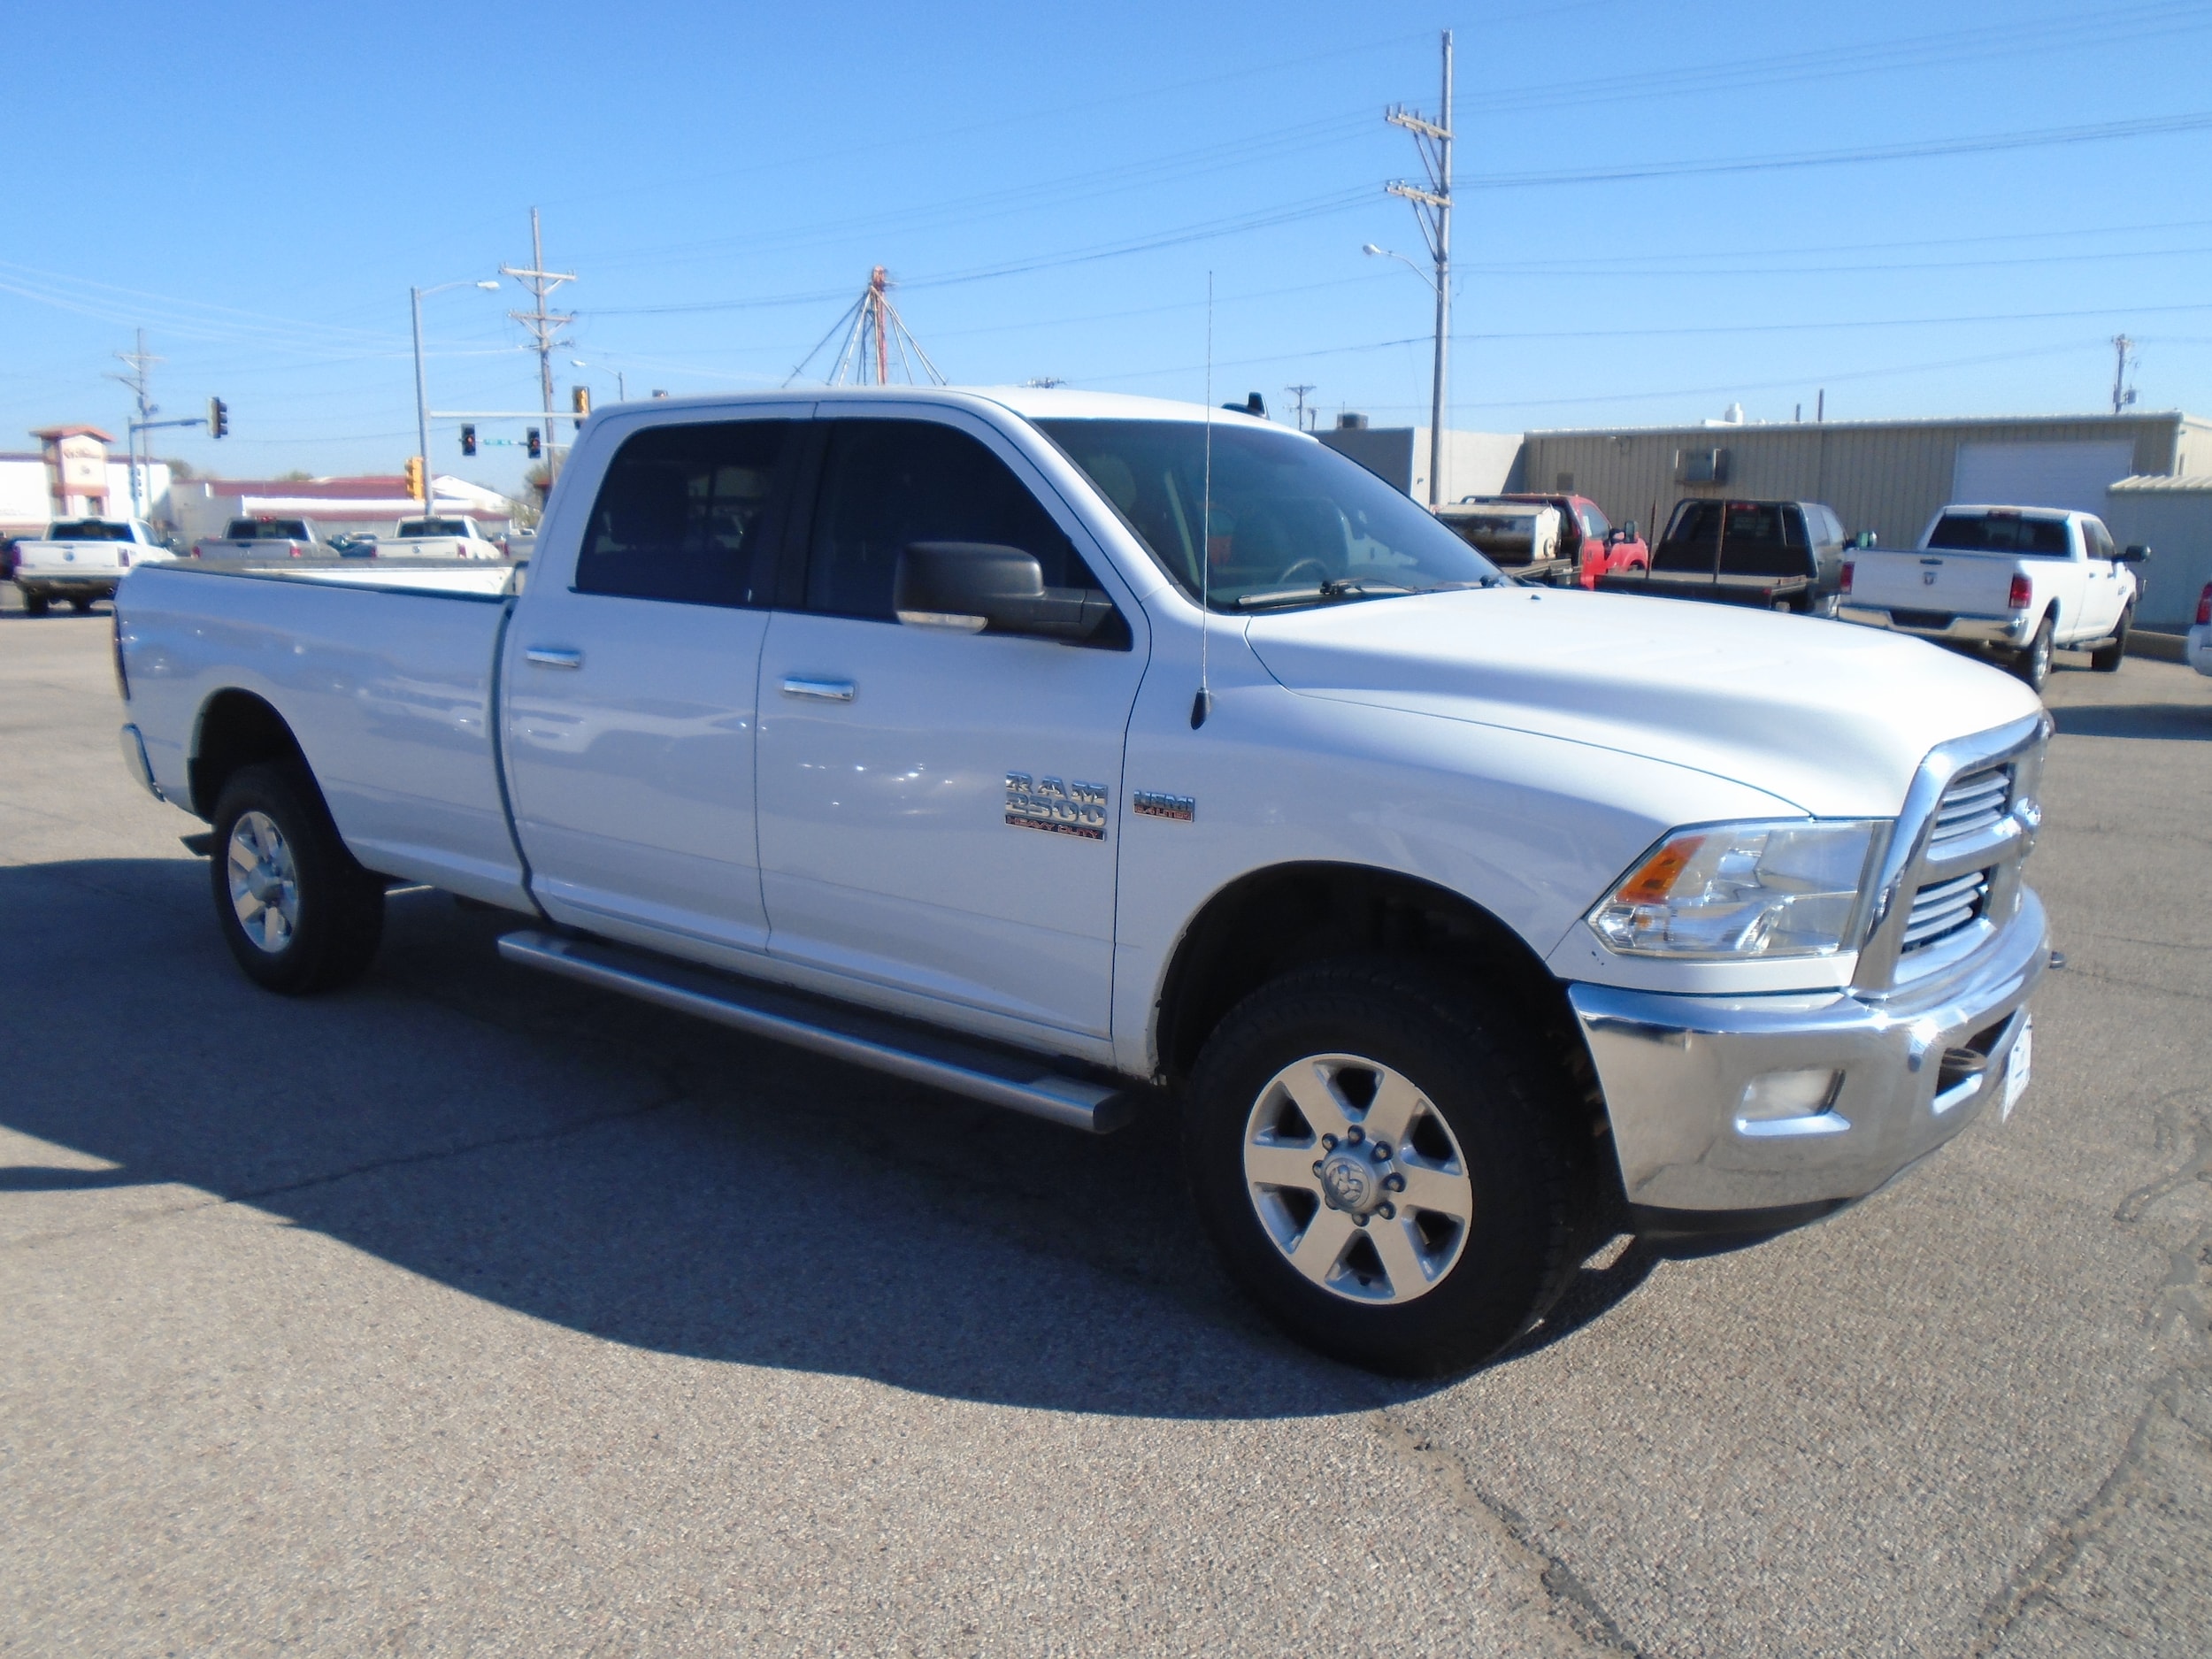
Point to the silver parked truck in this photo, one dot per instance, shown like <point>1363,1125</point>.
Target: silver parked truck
<point>1089,755</point>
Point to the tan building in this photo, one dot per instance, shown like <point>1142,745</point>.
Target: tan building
<point>1886,476</point>
<point>77,471</point>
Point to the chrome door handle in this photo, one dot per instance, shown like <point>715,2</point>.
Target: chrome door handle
<point>553,656</point>
<point>828,690</point>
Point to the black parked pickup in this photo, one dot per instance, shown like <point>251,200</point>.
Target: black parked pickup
<point>1774,555</point>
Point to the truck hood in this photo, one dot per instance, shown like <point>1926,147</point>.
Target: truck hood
<point>1832,718</point>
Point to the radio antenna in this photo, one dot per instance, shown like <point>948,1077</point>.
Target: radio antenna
<point>1201,705</point>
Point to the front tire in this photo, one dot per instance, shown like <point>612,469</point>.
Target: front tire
<point>81,605</point>
<point>299,915</point>
<point>2034,665</point>
<point>1382,1169</point>
<point>2106,658</point>
<point>36,604</point>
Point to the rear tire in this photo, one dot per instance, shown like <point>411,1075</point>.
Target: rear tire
<point>1474,1241</point>
<point>82,607</point>
<point>298,913</point>
<point>2106,658</point>
<point>36,604</point>
<point>2034,665</point>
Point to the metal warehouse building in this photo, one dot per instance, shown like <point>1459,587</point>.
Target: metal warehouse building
<point>1886,476</point>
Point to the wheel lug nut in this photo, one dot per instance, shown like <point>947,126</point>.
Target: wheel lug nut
<point>1395,1182</point>
<point>1329,1142</point>
<point>1317,1166</point>
<point>1355,1135</point>
<point>1381,1154</point>
<point>1389,1211</point>
<point>1359,1221</point>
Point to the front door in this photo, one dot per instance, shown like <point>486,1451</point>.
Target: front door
<point>937,808</point>
<point>630,714</point>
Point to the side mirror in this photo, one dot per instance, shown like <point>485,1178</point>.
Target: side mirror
<point>2134,553</point>
<point>1628,531</point>
<point>1864,539</point>
<point>970,586</point>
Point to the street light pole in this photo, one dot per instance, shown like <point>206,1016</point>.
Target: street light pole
<point>422,388</point>
<point>422,404</point>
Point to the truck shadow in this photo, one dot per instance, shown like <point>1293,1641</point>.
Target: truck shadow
<point>2189,722</point>
<point>605,1166</point>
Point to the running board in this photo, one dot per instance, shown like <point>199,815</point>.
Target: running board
<point>1018,1082</point>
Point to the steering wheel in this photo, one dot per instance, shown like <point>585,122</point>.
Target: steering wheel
<point>1313,566</point>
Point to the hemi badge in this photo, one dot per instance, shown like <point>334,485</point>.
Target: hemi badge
<point>1148,804</point>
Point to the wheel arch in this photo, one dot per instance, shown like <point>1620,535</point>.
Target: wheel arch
<point>1270,921</point>
<point>235,728</point>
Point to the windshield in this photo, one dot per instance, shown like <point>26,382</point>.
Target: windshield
<point>2000,533</point>
<point>88,530</point>
<point>1293,522</point>
<point>433,526</point>
<point>268,530</point>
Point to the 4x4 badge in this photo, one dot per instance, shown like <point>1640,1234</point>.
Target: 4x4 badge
<point>1046,803</point>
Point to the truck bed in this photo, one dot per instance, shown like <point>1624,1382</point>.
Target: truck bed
<point>386,676</point>
<point>1760,592</point>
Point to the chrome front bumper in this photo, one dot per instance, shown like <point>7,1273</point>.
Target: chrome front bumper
<point>1915,1068</point>
<point>2008,630</point>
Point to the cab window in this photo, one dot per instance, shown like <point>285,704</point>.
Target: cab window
<point>683,513</point>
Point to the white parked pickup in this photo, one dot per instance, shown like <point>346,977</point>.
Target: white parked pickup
<point>82,560</point>
<point>2015,582</point>
<point>266,538</point>
<point>1462,924</point>
<point>439,538</point>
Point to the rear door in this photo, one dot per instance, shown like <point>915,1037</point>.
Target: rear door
<point>936,808</point>
<point>629,692</point>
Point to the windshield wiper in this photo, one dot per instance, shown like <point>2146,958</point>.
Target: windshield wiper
<point>1345,588</point>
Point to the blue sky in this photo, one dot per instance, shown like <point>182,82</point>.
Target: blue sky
<point>258,186</point>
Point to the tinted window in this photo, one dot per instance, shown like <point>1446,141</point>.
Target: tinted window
<point>682,514</point>
<point>268,530</point>
<point>89,530</point>
<point>889,483</point>
<point>433,526</point>
<point>2100,539</point>
<point>1293,521</point>
<point>1762,538</point>
<point>2000,533</point>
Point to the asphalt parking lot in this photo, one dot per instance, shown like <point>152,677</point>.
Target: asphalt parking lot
<point>473,1310</point>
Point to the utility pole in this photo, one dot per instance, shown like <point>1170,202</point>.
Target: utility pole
<point>1432,207</point>
<point>544,326</point>
<point>2120,396</point>
<point>140,361</point>
<point>1299,391</point>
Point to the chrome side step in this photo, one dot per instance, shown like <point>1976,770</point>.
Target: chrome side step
<point>1018,1082</point>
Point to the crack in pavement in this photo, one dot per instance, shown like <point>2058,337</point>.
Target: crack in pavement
<point>400,1160</point>
<point>2184,1296</point>
<point>1563,1616</point>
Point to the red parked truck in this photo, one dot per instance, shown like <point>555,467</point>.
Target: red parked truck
<point>1589,543</point>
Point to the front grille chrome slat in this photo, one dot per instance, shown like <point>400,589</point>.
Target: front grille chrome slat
<point>1969,806</point>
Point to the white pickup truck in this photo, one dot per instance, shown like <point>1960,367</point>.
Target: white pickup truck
<point>438,539</point>
<point>2016,582</point>
<point>265,537</point>
<point>82,560</point>
<point>1462,923</point>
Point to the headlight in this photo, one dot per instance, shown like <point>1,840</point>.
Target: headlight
<point>1736,890</point>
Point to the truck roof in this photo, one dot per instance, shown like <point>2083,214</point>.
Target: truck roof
<point>1033,403</point>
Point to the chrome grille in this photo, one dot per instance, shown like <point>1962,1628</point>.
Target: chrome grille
<point>1971,806</point>
<point>1945,906</point>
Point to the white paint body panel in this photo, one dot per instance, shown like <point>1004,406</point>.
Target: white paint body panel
<point>1521,750</point>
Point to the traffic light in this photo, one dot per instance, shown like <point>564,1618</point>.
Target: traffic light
<point>468,441</point>
<point>414,476</point>
<point>579,399</point>
<point>218,418</point>
<point>537,446</point>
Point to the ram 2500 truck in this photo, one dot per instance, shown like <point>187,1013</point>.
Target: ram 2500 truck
<point>82,560</point>
<point>972,736</point>
<point>266,538</point>
<point>459,538</point>
<point>2012,582</point>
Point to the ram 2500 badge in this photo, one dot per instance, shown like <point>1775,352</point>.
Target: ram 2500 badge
<point>1084,753</point>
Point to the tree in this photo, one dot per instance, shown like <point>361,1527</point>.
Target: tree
<point>295,476</point>
<point>180,472</point>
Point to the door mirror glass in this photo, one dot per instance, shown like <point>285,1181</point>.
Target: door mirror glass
<point>1628,531</point>
<point>969,586</point>
<point>1864,539</point>
<point>2134,553</point>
